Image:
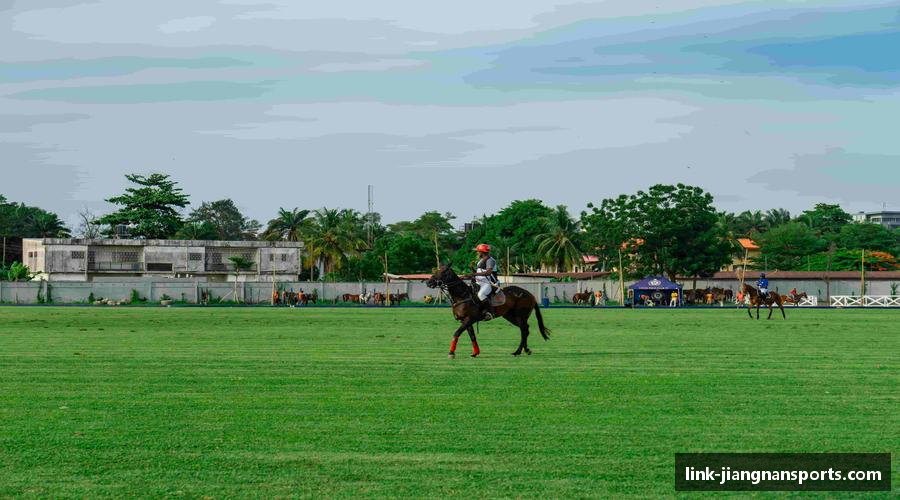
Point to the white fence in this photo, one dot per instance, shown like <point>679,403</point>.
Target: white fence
<point>808,302</point>
<point>865,301</point>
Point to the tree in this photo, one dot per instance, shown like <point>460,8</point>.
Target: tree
<point>788,246</point>
<point>558,245</point>
<point>777,217</point>
<point>196,231</point>
<point>849,260</point>
<point>48,225</point>
<point>669,230</point>
<point>150,210</point>
<point>289,225</point>
<point>227,221</point>
<point>867,236</point>
<point>22,221</point>
<point>521,222</point>
<point>827,220</point>
<point>88,227</point>
<point>240,265</point>
<point>333,235</point>
<point>752,223</point>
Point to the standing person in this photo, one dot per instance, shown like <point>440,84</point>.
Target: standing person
<point>674,301</point>
<point>485,277</point>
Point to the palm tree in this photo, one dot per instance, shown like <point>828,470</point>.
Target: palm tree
<point>333,235</point>
<point>240,264</point>
<point>49,225</point>
<point>752,223</point>
<point>196,231</point>
<point>288,225</point>
<point>777,217</point>
<point>558,244</point>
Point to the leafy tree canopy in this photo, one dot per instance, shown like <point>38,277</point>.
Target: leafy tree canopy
<point>787,247</point>
<point>827,220</point>
<point>150,209</point>
<point>668,230</point>
<point>226,220</point>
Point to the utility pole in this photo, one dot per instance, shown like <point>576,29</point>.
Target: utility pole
<point>621,277</point>
<point>862,277</point>
<point>387,282</point>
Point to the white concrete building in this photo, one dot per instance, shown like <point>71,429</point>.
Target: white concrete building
<point>71,259</point>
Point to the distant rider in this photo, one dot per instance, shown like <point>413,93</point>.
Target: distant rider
<point>763,285</point>
<point>485,277</point>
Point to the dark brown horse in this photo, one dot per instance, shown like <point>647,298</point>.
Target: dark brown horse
<point>757,300</point>
<point>516,309</point>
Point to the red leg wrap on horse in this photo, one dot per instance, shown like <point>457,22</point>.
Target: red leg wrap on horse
<point>453,344</point>
<point>475,350</point>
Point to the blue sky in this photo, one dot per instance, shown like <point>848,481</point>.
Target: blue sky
<point>460,107</point>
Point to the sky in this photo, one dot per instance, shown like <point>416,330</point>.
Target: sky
<point>457,106</point>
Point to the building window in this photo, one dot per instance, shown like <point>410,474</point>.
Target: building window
<point>125,256</point>
<point>271,258</point>
<point>195,257</point>
<point>159,266</point>
<point>78,254</point>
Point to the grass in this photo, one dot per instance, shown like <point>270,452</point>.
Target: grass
<point>252,402</point>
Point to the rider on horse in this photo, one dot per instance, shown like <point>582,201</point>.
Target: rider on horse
<point>763,285</point>
<point>485,278</point>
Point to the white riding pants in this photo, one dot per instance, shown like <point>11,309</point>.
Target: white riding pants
<point>484,289</point>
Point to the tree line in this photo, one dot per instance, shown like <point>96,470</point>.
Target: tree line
<point>670,230</point>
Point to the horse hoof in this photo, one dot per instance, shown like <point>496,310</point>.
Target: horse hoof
<point>474,355</point>
<point>517,354</point>
<point>451,355</point>
<point>528,352</point>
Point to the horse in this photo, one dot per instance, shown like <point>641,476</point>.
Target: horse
<point>582,298</point>
<point>378,298</point>
<point>517,308</point>
<point>756,300</point>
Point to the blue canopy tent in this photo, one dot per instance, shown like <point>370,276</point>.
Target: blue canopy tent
<point>658,288</point>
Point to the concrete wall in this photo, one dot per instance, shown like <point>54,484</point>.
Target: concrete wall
<point>188,289</point>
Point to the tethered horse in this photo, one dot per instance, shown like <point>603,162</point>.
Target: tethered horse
<point>516,309</point>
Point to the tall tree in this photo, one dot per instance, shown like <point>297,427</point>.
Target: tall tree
<point>521,221</point>
<point>196,231</point>
<point>150,209</point>
<point>752,223</point>
<point>22,221</point>
<point>787,247</point>
<point>226,220</point>
<point>827,220</point>
<point>867,236</point>
<point>776,217</point>
<point>333,236</point>
<point>670,230</point>
<point>558,245</point>
<point>288,225</point>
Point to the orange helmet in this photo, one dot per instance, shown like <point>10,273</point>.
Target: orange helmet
<point>483,247</point>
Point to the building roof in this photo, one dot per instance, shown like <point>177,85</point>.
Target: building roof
<point>748,244</point>
<point>168,243</point>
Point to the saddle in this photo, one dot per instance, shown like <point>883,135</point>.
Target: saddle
<point>498,298</point>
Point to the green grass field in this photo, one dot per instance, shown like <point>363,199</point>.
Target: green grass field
<point>364,402</point>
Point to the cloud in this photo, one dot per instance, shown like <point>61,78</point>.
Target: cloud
<point>187,24</point>
<point>839,175</point>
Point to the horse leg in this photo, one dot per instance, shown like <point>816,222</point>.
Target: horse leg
<point>524,330</point>
<point>770,311</point>
<point>465,326</point>
<point>757,308</point>
<point>781,306</point>
<point>750,308</point>
<point>475,349</point>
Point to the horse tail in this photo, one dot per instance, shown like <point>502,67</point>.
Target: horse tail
<point>545,332</point>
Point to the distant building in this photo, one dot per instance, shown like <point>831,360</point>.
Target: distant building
<point>890,220</point>
<point>749,252</point>
<point>71,259</point>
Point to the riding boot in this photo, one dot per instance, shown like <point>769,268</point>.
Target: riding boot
<point>487,309</point>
